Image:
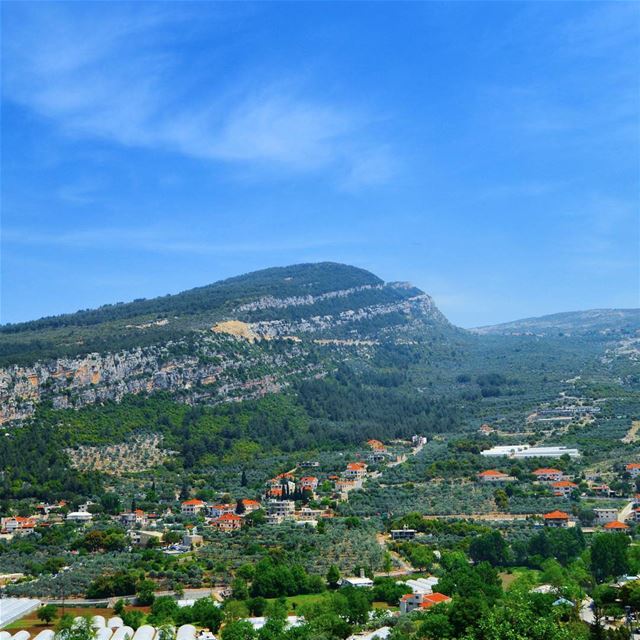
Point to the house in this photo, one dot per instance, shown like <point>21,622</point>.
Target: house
<point>355,471</point>
<point>133,518</point>
<point>356,581</point>
<point>192,507</point>
<point>227,522</point>
<point>605,515</point>
<point>281,480</point>
<point>217,510</point>
<point>548,474</point>
<point>17,524</point>
<point>412,601</point>
<point>563,488</point>
<point>421,585</point>
<point>250,505</point>
<point>556,519</point>
<point>192,540</point>
<point>79,516</point>
<point>633,469</point>
<point>602,490</point>
<point>403,534</point>
<point>344,485</point>
<point>376,445</point>
<point>279,510</point>
<point>144,537</point>
<point>307,514</point>
<point>433,599</point>
<point>616,527</point>
<point>418,441</point>
<point>486,429</point>
<point>491,475</point>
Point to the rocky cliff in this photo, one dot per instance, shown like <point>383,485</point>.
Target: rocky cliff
<point>203,352</point>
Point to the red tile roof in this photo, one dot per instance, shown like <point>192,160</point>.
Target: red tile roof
<point>556,515</point>
<point>194,502</point>
<point>434,598</point>
<point>544,471</point>
<point>492,473</point>
<point>564,483</point>
<point>616,525</point>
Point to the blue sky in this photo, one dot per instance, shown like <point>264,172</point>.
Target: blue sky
<point>486,152</point>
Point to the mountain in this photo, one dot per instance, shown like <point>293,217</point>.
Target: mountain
<point>235,339</point>
<point>571,323</point>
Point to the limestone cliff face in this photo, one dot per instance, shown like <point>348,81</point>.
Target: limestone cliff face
<point>221,362</point>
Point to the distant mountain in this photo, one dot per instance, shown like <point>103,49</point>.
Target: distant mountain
<point>238,338</point>
<point>593,321</point>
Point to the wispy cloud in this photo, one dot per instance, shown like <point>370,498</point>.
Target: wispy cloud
<point>162,241</point>
<point>113,74</point>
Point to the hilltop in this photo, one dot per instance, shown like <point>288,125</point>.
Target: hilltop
<point>603,321</point>
<point>235,339</point>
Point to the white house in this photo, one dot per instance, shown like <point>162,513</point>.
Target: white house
<point>604,515</point>
<point>192,507</point>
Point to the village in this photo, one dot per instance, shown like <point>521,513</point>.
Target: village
<point>307,497</point>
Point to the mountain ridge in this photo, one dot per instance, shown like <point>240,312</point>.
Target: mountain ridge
<point>236,339</point>
<point>569,323</point>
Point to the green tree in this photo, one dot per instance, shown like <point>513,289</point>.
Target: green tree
<point>490,547</point>
<point>133,618</point>
<point>333,576</point>
<point>145,592</point>
<point>238,630</point>
<point>47,613</point>
<point>609,555</point>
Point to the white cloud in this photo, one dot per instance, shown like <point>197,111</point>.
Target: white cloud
<point>117,73</point>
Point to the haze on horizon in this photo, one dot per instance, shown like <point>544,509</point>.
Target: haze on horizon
<point>486,152</point>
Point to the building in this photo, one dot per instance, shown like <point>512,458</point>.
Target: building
<point>548,474</point>
<point>412,601</point>
<point>133,518</point>
<point>217,510</point>
<point>192,540</point>
<point>356,581</point>
<point>556,519</point>
<point>227,522</point>
<point>250,505</point>
<point>192,507</point>
<point>546,452</point>
<point>17,524</point>
<point>518,451</point>
<point>355,471</point>
<point>616,527</point>
<point>602,490</point>
<point>605,515</point>
<point>403,534</point>
<point>494,476</point>
<point>633,469</point>
<point>563,488</point>
<point>144,537</point>
<point>503,450</point>
<point>307,514</point>
<point>432,599</point>
<point>376,445</point>
<point>283,480</point>
<point>79,516</point>
<point>279,510</point>
<point>308,483</point>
